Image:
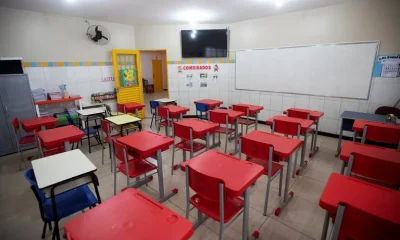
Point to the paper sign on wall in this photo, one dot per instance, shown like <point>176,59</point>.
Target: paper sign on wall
<point>387,66</point>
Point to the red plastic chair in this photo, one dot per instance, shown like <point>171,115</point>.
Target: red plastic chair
<point>262,154</point>
<point>187,143</point>
<point>288,128</point>
<point>106,135</point>
<point>130,167</point>
<point>381,134</point>
<point>353,223</point>
<point>304,115</point>
<point>373,170</point>
<point>164,118</point>
<point>211,199</point>
<point>244,121</point>
<point>21,141</point>
<point>46,152</point>
<point>221,118</point>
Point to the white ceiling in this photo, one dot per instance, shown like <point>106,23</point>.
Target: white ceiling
<point>167,11</point>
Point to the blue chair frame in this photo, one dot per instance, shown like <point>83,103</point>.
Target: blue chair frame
<point>153,110</point>
<point>67,203</point>
<point>201,108</point>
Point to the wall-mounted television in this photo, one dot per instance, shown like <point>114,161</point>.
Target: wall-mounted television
<point>211,43</point>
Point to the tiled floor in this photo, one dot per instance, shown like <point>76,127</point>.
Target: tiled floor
<point>301,219</point>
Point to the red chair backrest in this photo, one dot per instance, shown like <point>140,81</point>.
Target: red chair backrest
<point>182,131</point>
<point>205,186</point>
<point>381,171</point>
<point>242,109</point>
<point>382,134</point>
<point>121,108</point>
<point>255,149</point>
<point>357,224</point>
<point>105,126</point>
<point>298,114</point>
<point>217,117</point>
<point>119,150</point>
<point>15,123</point>
<point>283,127</point>
<point>162,112</point>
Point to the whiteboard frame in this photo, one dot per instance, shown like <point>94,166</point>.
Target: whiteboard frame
<point>313,45</point>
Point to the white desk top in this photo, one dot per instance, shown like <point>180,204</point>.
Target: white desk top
<point>164,100</point>
<point>91,111</point>
<point>60,167</point>
<point>123,119</point>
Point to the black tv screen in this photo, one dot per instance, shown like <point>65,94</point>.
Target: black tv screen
<point>204,43</point>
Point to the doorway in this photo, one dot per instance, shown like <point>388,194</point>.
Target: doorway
<point>155,75</point>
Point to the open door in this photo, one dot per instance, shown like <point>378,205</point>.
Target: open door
<point>128,77</point>
<point>157,75</point>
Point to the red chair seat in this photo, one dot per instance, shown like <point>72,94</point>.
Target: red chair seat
<point>27,139</point>
<point>185,145</point>
<point>107,139</point>
<point>54,151</point>
<point>223,130</point>
<point>165,123</point>
<point>276,167</point>
<point>211,208</point>
<point>244,121</point>
<point>136,167</point>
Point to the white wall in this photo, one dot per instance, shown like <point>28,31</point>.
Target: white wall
<point>147,70</point>
<point>47,38</point>
<point>40,37</point>
<point>361,21</point>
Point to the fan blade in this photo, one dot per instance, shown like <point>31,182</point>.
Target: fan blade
<point>96,29</point>
<point>104,37</point>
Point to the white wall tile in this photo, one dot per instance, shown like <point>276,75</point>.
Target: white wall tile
<point>204,95</point>
<point>317,104</point>
<point>55,75</point>
<point>348,106</point>
<point>244,97</point>
<point>214,95</point>
<point>275,113</point>
<point>302,102</point>
<point>329,125</point>
<point>82,74</point>
<point>332,109</point>
<point>276,103</point>
<point>183,98</point>
<point>373,106</point>
<point>263,115</point>
<point>255,98</point>
<point>377,91</point>
<point>174,95</point>
<point>288,102</point>
<point>224,97</point>
<point>265,101</point>
<point>363,107</point>
<point>234,98</point>
<point>391,93</point>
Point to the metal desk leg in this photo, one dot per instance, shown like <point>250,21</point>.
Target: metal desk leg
<point>246,207</point>
<point>207,141</point>
<point>137,113</point>
<point>167,128</point>
<point>314,148</point>
<point>42,128</point>
<point>287,195</point>
<point>325,226</point>
<point>236,135</point>
<point>303,150</point>
<point>67,146</point>
<point>161,180</point>
<point>256,124</point>
<point>56,232</point>
<point>340,139</point>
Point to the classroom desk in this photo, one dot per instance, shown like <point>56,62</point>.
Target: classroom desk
<point>284,148</point>
<point>199,128</point>
<point>129,215</point>
<point>147,144</point>
<point>348,118</point>
<point>53,138</point>
<point>124,119</point>
<point>372,199</point>
<point>130,108</point>
<point>31,124</point>
<point>62,172</point>
<point>165,101</point>
<point>359,125</point>
<point>210,103</point>
<point>228,168</point>
<point>384,154</point>
<point>253,110</point>
<point>233,117</point>
<point>91,114</point>
<point>305,126</point>
<point>315,116</point>
<point>174,112</point>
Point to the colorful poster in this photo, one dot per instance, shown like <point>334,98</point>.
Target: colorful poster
<point>203,84</point>
<point>387,66</point>
<point>128,77</point>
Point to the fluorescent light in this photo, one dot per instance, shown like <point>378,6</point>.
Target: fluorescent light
<point>70,1</point>
<point>279,3</point>
<point>192,16</point>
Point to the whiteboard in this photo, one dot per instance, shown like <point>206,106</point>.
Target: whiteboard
<point>331,70</point>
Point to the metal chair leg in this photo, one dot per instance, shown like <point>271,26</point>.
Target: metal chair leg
<point>173,159</point>
<point>44,230</point>
<point>280,182</point>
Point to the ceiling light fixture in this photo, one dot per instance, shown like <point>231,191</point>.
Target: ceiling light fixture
<point>70,1</point>
<point>279,3</point>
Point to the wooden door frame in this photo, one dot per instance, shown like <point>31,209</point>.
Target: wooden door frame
<point>166,61</point>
